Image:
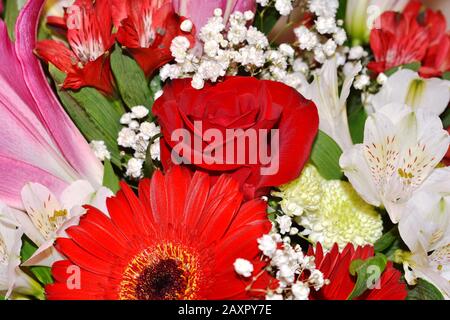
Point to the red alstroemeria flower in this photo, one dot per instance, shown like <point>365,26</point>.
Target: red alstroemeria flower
<point>402,38</point>
<point>148,30</point>
<point>86,63</point>
<point>178,240</point>
<point>335,267</point>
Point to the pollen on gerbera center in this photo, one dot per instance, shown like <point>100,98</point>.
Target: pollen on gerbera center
<point>162,272</point>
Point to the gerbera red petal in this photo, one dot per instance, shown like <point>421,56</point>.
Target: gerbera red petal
<point>189,236</point>
<point>335,267</point>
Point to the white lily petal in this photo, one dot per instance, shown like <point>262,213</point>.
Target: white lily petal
<point>407,87</point>
<point>78,193</point>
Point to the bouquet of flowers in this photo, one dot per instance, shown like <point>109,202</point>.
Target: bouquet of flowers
<point>224,149</point>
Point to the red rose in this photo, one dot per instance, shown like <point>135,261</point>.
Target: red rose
<point>260,132</point>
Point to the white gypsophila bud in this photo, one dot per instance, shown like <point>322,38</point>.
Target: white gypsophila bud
<point>307,40</point>
<point>149,129</point>
<point>356,53</point>
<point>340,36</point>
<point>100,150</point>
<point>256,38</point>
<point>300,66</point>
<point>155,151</point>
<point>133,125</point>
<point>126,118</point>
<point>316,279</point>
<point>267,245</point>
<point>217,12</point>
<point>140,112</point>
<point>285,223</point>
<point>186,25</point>
<point>179,47</point>
<point>126,137</point>
<point>329,48</point>
<point>211,48</point>
<point>284,7</point>
<point>158,94</point>
<point>300,291</point>
<point>286,50</point>
<point>326,25</point>
<point>361,82</point>
<point>382,78</point>
<point>197,82</point>
<point>274,296</point>
<point>325,8</point>
<point>319,55</point>
<point>249,15</point>
<point>243,267</point>
<point>134,168</point>
<point>293,231</point>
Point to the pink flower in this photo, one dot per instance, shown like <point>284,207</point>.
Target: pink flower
<point>39,143</point>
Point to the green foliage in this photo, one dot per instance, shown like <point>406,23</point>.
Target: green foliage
<point>424,290</point>
<point>387,240</point>
<point>357,117</point>
<point>110,179</point>
<point>266,18</point>
<point>95,116</point>
<point>130,79</point>
<point>325,156</point>
<point>368,272</point>
<point>11,12</point>
<point>446,118</point>
<point>42,274</point>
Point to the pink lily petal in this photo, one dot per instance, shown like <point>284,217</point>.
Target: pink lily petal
<point>69,140</point>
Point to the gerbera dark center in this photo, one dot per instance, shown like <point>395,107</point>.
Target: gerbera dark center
<point>165,271</point>
<point>163,281</point>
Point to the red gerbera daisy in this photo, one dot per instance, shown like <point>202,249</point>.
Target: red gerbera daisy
<point>147,30</point>
<point>335,267</point>
<point>178,240</point>
<point>402,38</point>
<point>86,62</point>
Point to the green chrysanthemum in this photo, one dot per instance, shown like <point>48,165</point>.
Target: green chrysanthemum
<point>332,211</point>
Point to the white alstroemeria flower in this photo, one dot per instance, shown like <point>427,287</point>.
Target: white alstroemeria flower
<point>425,228</point>
<point>47,217</point>
<point>331,104</point>
<point>56,7</point>
<point>12,279</point>
<point>407,87</point>
<point>400,150</point>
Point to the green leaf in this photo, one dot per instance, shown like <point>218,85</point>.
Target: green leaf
<point>131,81</point>
<point>95,116</point>
<point>357,117</point>
<point>266,18</point>
<point>11,12</point>
<point>446,118</point>
<point>446,75</point>
<point>414,66</point>
<point>368,272</point>
<point>342,10</point>
<point>325,156</point>
<point>386,240</point>
<point>110,179</point>
<point>43,274</point>
<point>424,290</point>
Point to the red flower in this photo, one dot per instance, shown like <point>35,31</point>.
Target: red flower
<point>86,63</point>
<point>335,267</point>
<point>242,110</point>
<point>178,240</point>
<point>147,31</point>
<point>402,38</point>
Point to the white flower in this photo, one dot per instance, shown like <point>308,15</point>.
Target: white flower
<point>400,150</point>
<point>149,129</point>
<point>340,36</point>
<point>155,151</point>
<point>307,39</point>
<point>316,279</point>
<point>134,168</point>
<point>425,228</point>
<point>179,47</point>
<point>284,7</point>
<point>100,150</point>
<point>268,245</point>
<point>256,38</point>
<point>126,118</point>
<point>324,91</point>
<point>326,25</point>
<point>140,112</point>
<point>243,267</point>
<point>158,94</point>
<point>361,81</point>
<point>12,279</point>
<point>286,50</point>
<point>406,86</point>
<point>126,138</point>
<point>329,48</point>
<point>197,82</point>
<point>300,291</point>
<point>274,296</point>
<point>47,217</point>
<point>186,25</point>
<point>356,53</point>
<point>285,223</point>
<point>325,8</point>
